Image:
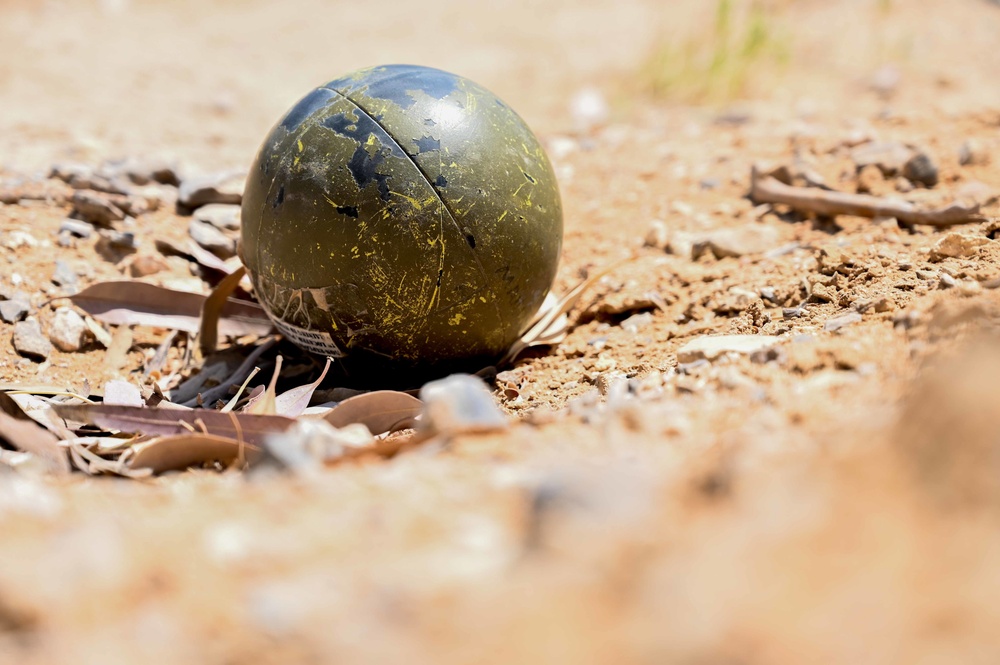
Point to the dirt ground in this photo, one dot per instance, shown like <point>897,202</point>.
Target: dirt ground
<point>830,498</point>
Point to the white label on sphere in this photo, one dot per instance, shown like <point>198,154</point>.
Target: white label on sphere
<point>317,342</point>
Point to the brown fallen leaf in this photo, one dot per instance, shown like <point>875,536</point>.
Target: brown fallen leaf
<point>380,411</point>
<point>181,451</point>
<point>138,303</point>
<point>24,434</point>
<point>211,311</point>
<point>250,428</point>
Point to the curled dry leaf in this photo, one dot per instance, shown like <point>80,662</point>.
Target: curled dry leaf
<point>293,402</point>
<point>181,451</point>
<point>138,303</point>
<point>247,427</point>
<point>380,411</point>
<point>38,409</point>
<point>265,404</point>
<point>212,308</point>
<point>24,434</point>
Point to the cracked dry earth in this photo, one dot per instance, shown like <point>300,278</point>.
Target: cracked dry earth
<point>768,438</point>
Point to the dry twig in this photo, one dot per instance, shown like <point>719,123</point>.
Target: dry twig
<point>766,189</point>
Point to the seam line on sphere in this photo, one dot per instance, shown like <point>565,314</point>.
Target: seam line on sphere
<point>444,205</point>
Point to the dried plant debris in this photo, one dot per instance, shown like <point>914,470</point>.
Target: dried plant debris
<point>766,188</point>
<point>138,303</point>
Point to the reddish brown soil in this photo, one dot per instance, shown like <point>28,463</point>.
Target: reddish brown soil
<point>834,500</point>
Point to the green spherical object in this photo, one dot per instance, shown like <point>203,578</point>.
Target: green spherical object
<point>403,219</point>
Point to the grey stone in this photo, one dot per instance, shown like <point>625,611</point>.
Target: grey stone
<point>212,239</point>
<point>973,153</point>
<point>147,264</point>
<point>888,157</point>
<point>957,245</point>
<point>29,341</point>
<point>308,443</point>
<point>220,188</point>
<point>792,312</point>
<point>460,404</point>
<point>739,241</point>
<point>68,331</point>
<point>64,275</point>
<point>76,227</point>
<point>81,176</point>
<point>841,321</point>
<point>710,347</point>
<point>121,240</point>
<point>633,323</point>
<point>96,209</point>
<point>220,215</point>
<point>921,168</point>
<point>658,235</point>
<point>12,311</point>
<point>152,169</point>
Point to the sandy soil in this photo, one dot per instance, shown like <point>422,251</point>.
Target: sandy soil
<point>832,499</point>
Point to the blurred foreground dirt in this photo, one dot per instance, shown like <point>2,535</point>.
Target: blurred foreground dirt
<point>833,499</point>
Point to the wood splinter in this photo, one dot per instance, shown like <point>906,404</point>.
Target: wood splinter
<point>766,189</point>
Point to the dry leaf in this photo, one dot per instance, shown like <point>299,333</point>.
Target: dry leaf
<point>38,409</point>
<point>183,394</point>
<point>551,325</point>
<point>24,434</point>
<point>231,404</point>
<point>166,422</point>
<point>176,453</point>
<point>293,402</point>
<point>211,311</point>
<point>92,464</point>
<point>266,404</point>
<point>379,411</point>
<point>138,303</point>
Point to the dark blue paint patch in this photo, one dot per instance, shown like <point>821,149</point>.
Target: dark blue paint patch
<point>398,83</point>
<point>359,128</point>
<point>364,170</point>
<point>427,144</point>
<point>364,165</point>
<point>350,211</point>
<point>429,122</point>
<point>280,198</point>
<point>530,179</point>
<point>308,105</point>
<point>440,181</point>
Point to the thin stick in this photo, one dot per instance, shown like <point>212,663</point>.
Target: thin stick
<point>765,189</point>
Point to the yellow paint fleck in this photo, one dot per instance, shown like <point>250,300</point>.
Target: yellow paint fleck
<point>455,320</point>
<point>301,147</point>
